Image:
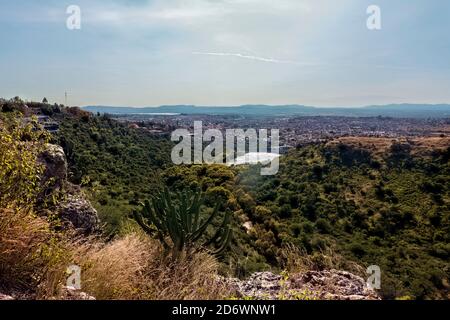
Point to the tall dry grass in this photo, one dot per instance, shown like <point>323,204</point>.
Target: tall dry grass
<point>29,251</point>
<point>136,267</point>
<point>295,260</point>
<point>34,260</point>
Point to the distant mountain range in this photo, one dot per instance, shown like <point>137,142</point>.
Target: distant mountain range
<point>393,110</point>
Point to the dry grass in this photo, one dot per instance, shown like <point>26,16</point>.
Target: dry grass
<point>114,270</point>
<point>379,146</point>
<point>135,267</point>
<point>29,251</point>
<point>34,259</point>
<point>297,261</point>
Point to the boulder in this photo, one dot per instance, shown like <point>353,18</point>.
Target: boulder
<point>77,211</point>
<point>55,173</point>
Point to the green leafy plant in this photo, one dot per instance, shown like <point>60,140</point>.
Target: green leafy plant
<point>21,142</point>
<point>179,218</point>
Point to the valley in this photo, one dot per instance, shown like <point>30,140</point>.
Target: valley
<point>350,192</point>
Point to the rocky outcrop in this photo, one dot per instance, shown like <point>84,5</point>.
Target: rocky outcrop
<point>320,285</point>
<point>260,286</point>
<point>4,297</point>
<point>334,285</point>
<point>73,207</point>
<point>69,293</point>
<point>77,211</point>
<point>55,173</point>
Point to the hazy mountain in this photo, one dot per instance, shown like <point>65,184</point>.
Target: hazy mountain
<point>393,110</point>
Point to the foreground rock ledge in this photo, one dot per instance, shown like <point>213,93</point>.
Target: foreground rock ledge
<point>4,297</point>
<point>317,285</point>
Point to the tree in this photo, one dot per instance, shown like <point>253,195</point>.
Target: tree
<point>45,100</point>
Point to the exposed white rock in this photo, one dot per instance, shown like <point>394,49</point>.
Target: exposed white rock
<point>70,293</point>
<point>321,285</point>
<point>4,297</point>
<point>255,158</point>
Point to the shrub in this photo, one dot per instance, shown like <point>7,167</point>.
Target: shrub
<point>20,172</point>
<point>285,211</point>
<point>357,249</point>
<point>323,226</point>
<point>307,227</point>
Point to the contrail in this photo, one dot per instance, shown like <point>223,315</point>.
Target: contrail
<point>307,64</point>
<point>244,56</point>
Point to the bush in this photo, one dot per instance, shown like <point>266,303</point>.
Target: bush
<point>307,227</point>
<point>285,211</point>
<point>323,226</point>
<point>358,250</point>
<point>20,172</point>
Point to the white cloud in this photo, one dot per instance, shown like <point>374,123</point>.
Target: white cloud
<point>251,57</point>
<point>195,11</point>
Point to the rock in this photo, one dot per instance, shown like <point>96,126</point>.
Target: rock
<point>248,226</point>
<point>321,285</point>
<point>334,285</point>
<point>4,297</point>
<point>55,174</point>
<point>76,210</point>
<point>70,293</point>
<point>260,286</point>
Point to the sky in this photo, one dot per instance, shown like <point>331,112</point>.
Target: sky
<point>226,52</point>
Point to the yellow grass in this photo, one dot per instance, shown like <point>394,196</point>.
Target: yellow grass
<point>34,260</point>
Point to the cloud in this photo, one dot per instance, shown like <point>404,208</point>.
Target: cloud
<point>158,51</point>
<point>191,12</point>
<point>252,57</point>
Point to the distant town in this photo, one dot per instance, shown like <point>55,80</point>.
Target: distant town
<point>296,131</point>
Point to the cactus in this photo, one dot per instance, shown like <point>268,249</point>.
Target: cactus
<point>180,221</point>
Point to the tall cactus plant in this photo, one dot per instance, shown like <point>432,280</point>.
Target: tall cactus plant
<point>178,218</point>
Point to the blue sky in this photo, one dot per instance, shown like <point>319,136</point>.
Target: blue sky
<point>226,52</point>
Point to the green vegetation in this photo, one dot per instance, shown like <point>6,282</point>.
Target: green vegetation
<point>20,145</point>
<point>118,166</point>
<point>394,213</point>
<point>35,251</point>
<point>340,204</point>
<point>391,211</point>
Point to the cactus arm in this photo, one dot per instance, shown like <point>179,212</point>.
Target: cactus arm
<point>221,230</point>
<point>138,217</point>
<point>225,243</point>
<point>200,231</point>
